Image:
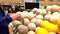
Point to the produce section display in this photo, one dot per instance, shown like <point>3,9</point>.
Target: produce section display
<point>37,21</point>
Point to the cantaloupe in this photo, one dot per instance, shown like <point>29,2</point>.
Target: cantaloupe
<point>10,26</point>
<point>54,18</point>
<point>38,22</point>
<point>54,8</point>
<point>30,16</point>
<point>48,8</point>
<point>47,17</point>
<point>38,11</point>
<point>34,10</point>
<point>51,33</point>
<point>56,14</point>
<point>31,26</point>
<point>16,22</point>
<point>33,20</point>
<point>39,17</point>
<point>31,32</point>
<point>24,14</point>
<point>26,21</point>
<point>22,29</point>
<point>43,12</point>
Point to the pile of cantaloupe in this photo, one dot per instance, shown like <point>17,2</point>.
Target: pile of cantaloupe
<point>37,21</point>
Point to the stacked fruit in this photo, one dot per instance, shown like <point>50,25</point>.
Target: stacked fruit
<point>37,21</point>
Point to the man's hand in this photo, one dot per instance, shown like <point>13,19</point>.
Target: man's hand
<point>15,16</point>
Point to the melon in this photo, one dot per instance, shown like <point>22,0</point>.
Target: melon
<point>34,10</point>
<point>54,8</point>
<point>58,22</point>
<point>48,8</point>
<point>47,17</point>
<point>41,31</point>
<point>39,17</point>
<point>22,29</point>
<point>16,22</point>
<point>49,26</point>
<point>10,26</point>
<point>31,32</point>
<point>31,26</point>
<point>51,33</point>
<point>43,12</point>
<point>54,18</point>
<point>33,20</point>
<point>30,16</point>
<point>38,22</point>
<point>26,21</point>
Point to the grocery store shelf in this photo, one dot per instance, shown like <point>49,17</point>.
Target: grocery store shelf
<point>49,2</point>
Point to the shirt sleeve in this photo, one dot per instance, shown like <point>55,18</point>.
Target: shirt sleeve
<point>5,20</point>
<point>2,18</point>
<point>8,18</point>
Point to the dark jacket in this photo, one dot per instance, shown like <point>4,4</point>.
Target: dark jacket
<point>4,21</point>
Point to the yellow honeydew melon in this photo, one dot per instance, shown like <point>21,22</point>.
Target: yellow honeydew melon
<point>49,26</point>
<point>41,31</point>
<point>58,22</point>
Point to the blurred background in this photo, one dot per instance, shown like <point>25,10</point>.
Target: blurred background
<point>20,5</point>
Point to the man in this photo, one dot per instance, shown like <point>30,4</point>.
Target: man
<point>5,19</point>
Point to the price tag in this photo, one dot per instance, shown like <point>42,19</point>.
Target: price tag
<point>29,1</point>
